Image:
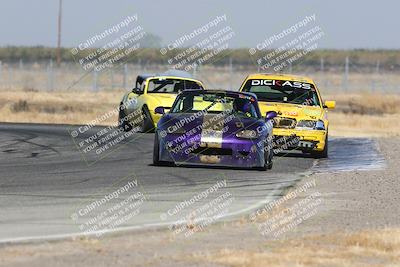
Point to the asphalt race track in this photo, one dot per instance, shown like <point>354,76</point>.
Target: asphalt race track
<point>45,181</point>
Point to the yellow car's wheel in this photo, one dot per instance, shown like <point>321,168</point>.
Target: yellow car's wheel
<point>321,154</point>
<point>122,122</point>
<point>268,156</point>
<point>147,124</point>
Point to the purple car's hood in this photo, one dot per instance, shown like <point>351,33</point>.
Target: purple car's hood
<point>184,122</point>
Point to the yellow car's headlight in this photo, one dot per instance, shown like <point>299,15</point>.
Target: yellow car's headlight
<point>319,125</point>
<point>306,124</point>
<point>310,125</point>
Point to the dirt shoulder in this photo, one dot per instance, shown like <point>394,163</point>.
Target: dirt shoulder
<point>355,223</point>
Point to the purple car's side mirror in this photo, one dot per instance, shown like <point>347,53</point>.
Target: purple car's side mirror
<point>159,110</point>
<point>270,115</point>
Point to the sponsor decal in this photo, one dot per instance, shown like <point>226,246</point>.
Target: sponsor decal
<point>294,84</point>
<point>312,113</point>
<point>291,113</point>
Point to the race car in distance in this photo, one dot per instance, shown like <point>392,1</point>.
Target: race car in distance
<point>214,127</point>
<point>150,91</point>
<point>302,121</point>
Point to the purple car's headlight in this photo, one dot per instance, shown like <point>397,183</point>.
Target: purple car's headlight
<point>247,134</point>
<point>175,130</point>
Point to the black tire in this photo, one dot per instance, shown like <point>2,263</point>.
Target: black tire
<point>125,125</point>
<point>156,151</point>
<point>321,154</point>
<point>147,125</point>
<point>268,157</point>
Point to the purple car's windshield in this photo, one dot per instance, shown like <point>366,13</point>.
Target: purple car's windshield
<point>240,105</point>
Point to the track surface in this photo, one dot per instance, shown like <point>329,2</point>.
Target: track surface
<point>44,180</point>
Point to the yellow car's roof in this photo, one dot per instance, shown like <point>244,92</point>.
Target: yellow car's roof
<point>174,77</point>
<point>277,76</point>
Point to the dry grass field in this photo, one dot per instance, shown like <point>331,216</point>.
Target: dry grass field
<point>59,107</point>
<point>362,114</point>
<point>366,248</point>
<point>365,114</point>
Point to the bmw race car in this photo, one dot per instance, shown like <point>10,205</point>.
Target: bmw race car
<point>302,121</point>
<point>137,107</point>
<point>214,127</point>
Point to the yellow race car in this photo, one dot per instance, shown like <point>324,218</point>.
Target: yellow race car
<point>151,91</point>
<point>302,121</point>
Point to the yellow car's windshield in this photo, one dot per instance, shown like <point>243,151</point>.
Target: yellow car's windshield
<point>170,85</point>
<point>293,92</point>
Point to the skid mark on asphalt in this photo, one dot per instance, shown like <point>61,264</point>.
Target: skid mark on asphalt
<point>351,154</point>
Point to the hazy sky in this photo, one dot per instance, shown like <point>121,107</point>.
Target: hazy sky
<point>346,23</point>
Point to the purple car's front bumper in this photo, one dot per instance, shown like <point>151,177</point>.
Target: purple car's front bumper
<point>231,151</point>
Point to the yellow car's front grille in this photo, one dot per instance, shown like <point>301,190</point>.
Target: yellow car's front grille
<point>282,122</point>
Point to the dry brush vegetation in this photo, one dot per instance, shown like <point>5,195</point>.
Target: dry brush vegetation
<point>57,107</point>
<point>362,114</point>
<point>365,115</point>
<point>367,248</point>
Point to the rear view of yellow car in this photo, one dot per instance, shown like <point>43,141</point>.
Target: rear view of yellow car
<point>302,122</point>
<point>151,91</point>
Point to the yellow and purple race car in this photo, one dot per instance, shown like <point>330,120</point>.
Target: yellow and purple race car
<point>214,127</point>
<point>150,91</point>
<point>302,121</point>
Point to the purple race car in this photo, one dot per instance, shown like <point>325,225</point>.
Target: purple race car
<point>214,127</point>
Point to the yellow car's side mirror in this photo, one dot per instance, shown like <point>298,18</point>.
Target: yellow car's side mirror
<point>330,104</point>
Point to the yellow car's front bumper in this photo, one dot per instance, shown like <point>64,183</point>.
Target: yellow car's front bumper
<point>314,138</point>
